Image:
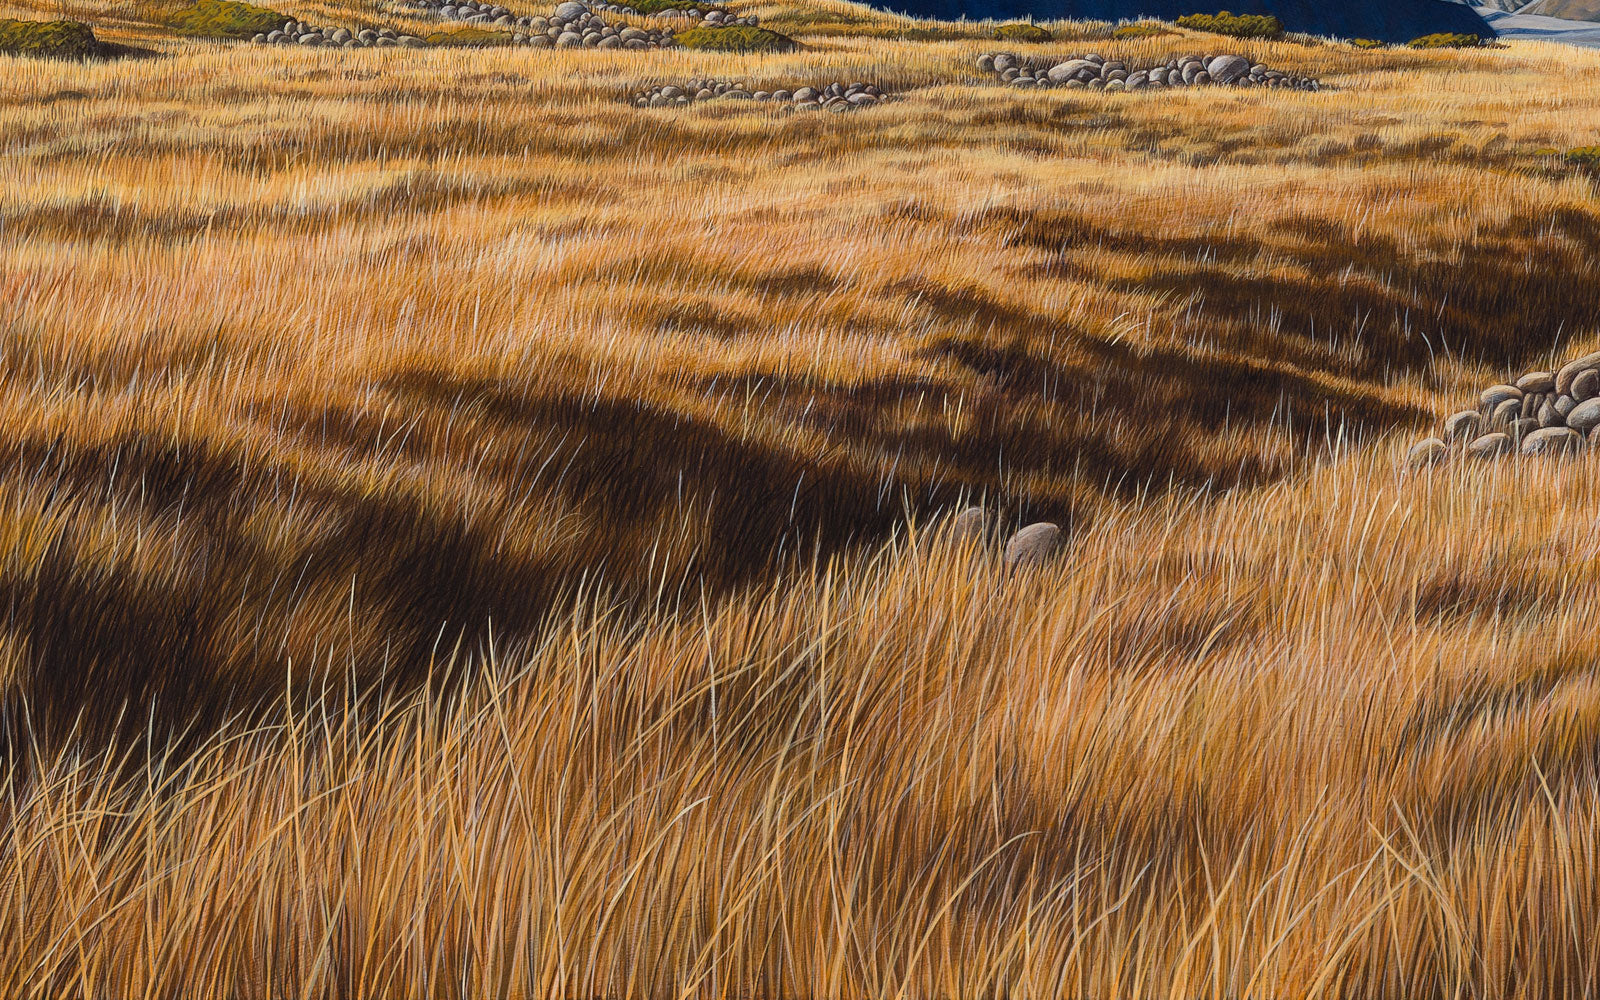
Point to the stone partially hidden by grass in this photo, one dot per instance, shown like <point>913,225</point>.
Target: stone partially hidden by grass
<point>1234,25</point>
<point>225,19</point>
<point>52,39</point>
<point>1022,32</point>
<point>736,39</point>
<point>1446,40</point>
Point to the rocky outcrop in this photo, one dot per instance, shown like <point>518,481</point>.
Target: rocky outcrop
<point>1541,413</point>
<point>1095,72</point>
<point>829,97</point>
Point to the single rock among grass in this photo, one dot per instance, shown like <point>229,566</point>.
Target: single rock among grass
<point>1428,451</point>
<point>1033,545</point>
<point>969,526</point>
<point>1463,426</point>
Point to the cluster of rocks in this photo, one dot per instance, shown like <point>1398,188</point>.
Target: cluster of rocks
<point>1543,413</point>
<point>1095,72</point>
<point>1030,546</point>
<point>717,17</point>
<point>299,33</point>
<point>570,25</point>
<point>832,97</point>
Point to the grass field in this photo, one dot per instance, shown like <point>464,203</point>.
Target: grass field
<point>599,447</point>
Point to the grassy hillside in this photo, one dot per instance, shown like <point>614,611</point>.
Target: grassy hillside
<point>320,365</point>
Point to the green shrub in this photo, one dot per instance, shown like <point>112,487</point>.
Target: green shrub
<point>225,19</point>
<point>740,38</point>
<point>1585,157</point>
<point>1368,43</point>
<point>1022,32</point>
<point>657,6</point>
<point>468,38</point>
<point>1446,40</point>
<point>49,39</point>
<point>1141,29</point>
<point>1235,25</point>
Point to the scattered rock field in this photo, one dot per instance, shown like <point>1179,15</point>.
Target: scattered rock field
<point>716,17</point>
<point>830,97</point>
<point>311,36</point>
<point>1542,413</point>
<point>1095,72</point>
<point>570,25</point>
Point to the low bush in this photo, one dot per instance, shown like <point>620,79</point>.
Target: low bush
<point>1022,32</point>
<point>1368,43</point>
<point>225,19</point>
<point>657,6</point>
<point>1446,40</point>
<point>1586,157</point>
<point>1140,29</point>
<point>1234,25</point>
<point>468,38</point>
<point>740,38</point>
<point>47,39</point>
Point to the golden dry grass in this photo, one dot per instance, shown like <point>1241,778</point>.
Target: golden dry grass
<point>321,366</point>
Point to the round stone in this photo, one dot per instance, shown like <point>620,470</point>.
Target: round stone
<point>1490,446</point>
<point>571,10</point>
<point>1537,382</point>
<point>1523,426</point>
<point>1462,426</point>
<point>1507,411</point>
<point>969,526</point>
<point>1033,545</point>
<point>1497,394</point>
<point>1549,416</point>
<point>1553,441</point>
<point>1572,369</point>
<point>569,40</point>
<point>1004,61</point>
<point>1428,451</point>
<point>1069,70</point>
<point>1585,417</point>
<point>1226,69</point>
<point>1586,385</point>
<point>986,63</point>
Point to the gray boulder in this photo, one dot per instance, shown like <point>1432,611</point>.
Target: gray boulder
<point>1490,446</point>
<point>1069,70</point>
<point>1428,451</point>
<point>1226,69</point>
<point>969,526</point>
<point>571,10</point>
<point>1462,426</point>
<point>1033,545</point>
<point>1585,417</point>
<point>1553,441</point>
<point>1537,382</point>
<point>1586,385</point>
<point>1572,369</point>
